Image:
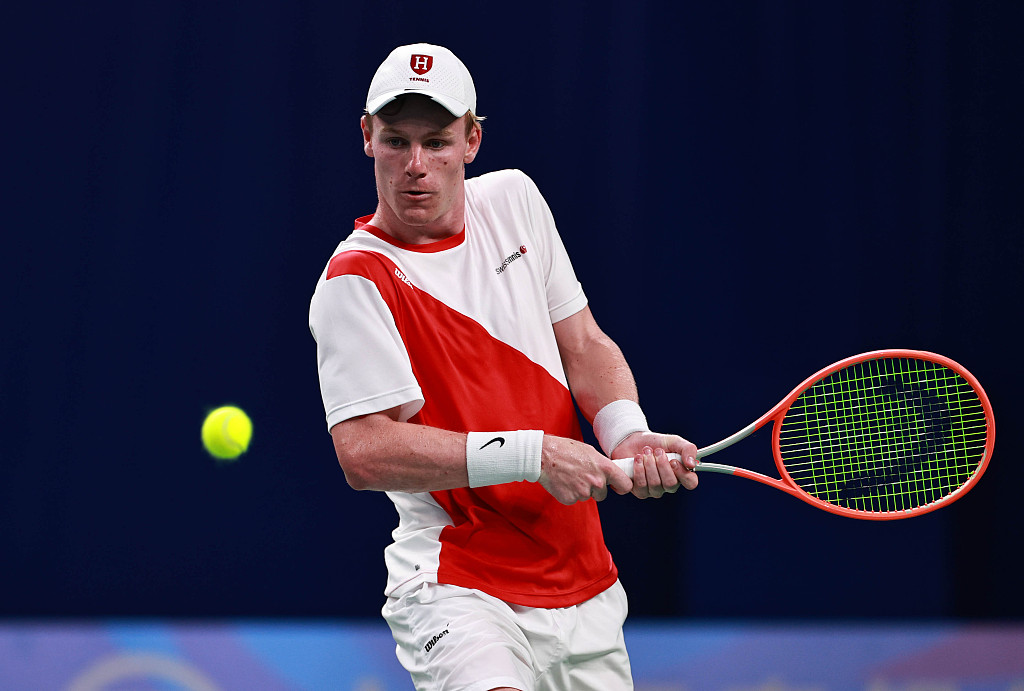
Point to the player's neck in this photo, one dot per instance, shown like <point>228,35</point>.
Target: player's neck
<point>452,223</point>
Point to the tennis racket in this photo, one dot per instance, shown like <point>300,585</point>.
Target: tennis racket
<point>882,435</point>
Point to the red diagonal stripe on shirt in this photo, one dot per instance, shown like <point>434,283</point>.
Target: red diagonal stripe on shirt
<point>514,541</point>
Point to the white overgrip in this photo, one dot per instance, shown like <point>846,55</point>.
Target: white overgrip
<point>626,464</point>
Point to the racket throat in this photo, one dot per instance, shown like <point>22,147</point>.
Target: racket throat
<point>728,441</point>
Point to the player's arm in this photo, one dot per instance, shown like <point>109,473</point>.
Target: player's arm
<point>377,452</point>
<point>598,375</point>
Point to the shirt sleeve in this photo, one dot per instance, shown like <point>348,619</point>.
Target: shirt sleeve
<point>361,359</point>
<point>564,291</point>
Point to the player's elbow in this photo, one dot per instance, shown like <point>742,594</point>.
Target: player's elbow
<point>362,445</point>
<point>351,458</point>
<point>357,473</point>
<point>356,479</point>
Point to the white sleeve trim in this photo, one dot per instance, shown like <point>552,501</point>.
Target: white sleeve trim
<point>569,308</point>
<point>409,398</point>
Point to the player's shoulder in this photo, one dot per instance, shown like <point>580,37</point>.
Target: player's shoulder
<point>510,182</point>
<point>360,253</point>
<point>502,191</point>
<point>360,261</point>
<point>359,272</point>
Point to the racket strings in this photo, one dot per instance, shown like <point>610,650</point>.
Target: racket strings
<point>884,435</point>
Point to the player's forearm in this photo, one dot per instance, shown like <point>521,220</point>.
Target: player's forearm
<point>595,367</point>
<point>601,376</point>
<point>379,453</point>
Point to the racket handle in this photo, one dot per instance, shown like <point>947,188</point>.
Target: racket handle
<point>626,464</point>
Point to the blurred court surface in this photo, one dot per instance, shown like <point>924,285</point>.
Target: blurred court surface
<point>355,656</point>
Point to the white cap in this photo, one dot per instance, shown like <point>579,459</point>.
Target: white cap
<point>425,69</point>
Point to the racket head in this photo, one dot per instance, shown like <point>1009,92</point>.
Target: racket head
<point>884,435</point>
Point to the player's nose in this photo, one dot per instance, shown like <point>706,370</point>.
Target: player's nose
<point>415,167</point>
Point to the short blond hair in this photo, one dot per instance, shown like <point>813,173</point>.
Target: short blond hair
<point>472,121</point>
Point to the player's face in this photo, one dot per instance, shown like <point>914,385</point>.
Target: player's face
<point>419,151</point>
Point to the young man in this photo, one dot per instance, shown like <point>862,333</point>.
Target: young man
<point>450,331</point>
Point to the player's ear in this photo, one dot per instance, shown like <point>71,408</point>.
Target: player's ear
<point>476,134</point>
<point>366,126</point>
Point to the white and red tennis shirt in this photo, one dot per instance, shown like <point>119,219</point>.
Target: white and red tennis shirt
<point>458,334</point>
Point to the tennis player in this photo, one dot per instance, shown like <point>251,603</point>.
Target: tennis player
<point>452,336</point>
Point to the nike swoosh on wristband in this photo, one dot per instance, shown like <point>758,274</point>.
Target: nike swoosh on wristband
<point>500,440</point>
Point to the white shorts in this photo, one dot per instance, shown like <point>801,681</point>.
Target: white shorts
<point>456,639</point>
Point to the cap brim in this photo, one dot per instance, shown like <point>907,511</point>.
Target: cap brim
<point>456,108</point>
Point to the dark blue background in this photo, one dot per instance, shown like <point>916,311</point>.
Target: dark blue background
<point>749,191</point>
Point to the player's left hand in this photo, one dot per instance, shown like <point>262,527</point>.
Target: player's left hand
<point>654,474</point>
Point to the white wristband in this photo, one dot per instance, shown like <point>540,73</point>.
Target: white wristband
<point>616,421</point>
<point>494,458</point>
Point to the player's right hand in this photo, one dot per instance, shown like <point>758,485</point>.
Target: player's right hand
<point>572,471</point>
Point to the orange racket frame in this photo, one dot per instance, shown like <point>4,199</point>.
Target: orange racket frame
<point>787,484</point>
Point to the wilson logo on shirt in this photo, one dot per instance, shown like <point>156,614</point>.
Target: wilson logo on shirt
<point>509,259</point>
<point>403,278</point>
<point>433,641</point>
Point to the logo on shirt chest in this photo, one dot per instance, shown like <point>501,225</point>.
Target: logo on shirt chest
<point>500,269</point>
<point>403,278</point>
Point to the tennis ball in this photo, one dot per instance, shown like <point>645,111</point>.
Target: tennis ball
<point>227,432</point>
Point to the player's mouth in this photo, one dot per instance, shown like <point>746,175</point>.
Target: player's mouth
<point>415,194</point>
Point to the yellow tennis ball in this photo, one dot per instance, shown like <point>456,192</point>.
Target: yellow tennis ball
<point>227,432</point>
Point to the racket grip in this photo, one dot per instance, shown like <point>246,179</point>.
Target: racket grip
<point>626,464</point>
